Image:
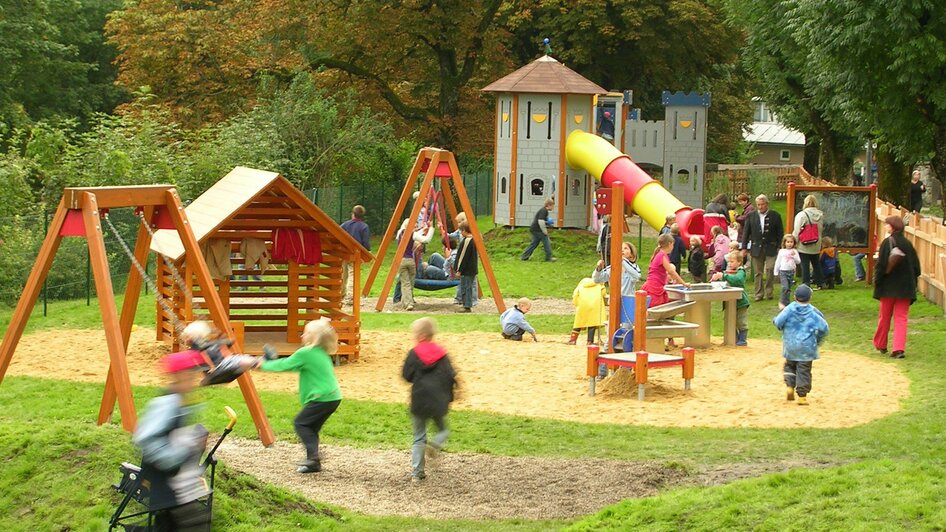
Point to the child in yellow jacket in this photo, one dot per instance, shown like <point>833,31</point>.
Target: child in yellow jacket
<point>590,312</point>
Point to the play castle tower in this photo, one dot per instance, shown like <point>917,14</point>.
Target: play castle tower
<point>537,107</point>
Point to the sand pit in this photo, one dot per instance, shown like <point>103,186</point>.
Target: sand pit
<point>733,387</point>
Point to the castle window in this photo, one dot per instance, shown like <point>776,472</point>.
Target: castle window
<point>538,187</point>
<point>502,186</point>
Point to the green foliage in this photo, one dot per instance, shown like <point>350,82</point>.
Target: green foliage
<point>16,195</point>
<point>761,183</point>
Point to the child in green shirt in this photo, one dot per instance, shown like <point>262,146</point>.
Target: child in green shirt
<point>735,276</point>
<point>318,388</point>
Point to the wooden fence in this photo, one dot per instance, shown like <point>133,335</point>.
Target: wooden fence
<point>926,233</point>
<point>738,178</point>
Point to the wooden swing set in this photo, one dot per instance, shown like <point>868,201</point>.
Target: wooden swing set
<point>434,163</point>
<point>81,212</point>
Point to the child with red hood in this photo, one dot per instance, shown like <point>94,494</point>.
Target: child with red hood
<point>432,379</point>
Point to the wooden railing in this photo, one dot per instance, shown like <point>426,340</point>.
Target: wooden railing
<point>926,233</point>
<point>738,178</point>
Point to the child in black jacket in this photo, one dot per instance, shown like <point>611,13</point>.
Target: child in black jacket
<point>432,379</point>
<point>697,261</point>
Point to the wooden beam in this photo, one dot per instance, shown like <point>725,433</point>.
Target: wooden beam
<point>111,197</point>
<point>477,235</point>
<point>617,268</point>
<point>129,308</point>
<point>118,367</point>
<point>395,221</point>
<point>195,262</point>
<point>435,159</point>
<point>30,293</point>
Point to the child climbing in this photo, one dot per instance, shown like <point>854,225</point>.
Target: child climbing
<point>433,379</point>
<point>513,321</point>
<point>660,271</point>
<point>803,329</point>
<point>735,276</point>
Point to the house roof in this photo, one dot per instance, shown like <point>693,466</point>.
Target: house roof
<point>545,75</point>
<point>773,133</point>
<point>240,188</point>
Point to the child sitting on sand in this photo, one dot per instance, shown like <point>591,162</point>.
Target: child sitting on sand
<point>514,323</point>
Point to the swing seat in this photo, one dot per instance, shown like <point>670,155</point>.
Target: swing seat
<point>227,371</point>
<point>432,285</point>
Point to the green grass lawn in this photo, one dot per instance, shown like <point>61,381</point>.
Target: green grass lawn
<point>888,475</point>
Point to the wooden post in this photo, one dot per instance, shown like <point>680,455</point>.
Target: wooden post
<point>617,267</point>
<point>475,231</point>
<point>34,284</point>
<point>689,366</point>
<point>355,289</point>
<point>640,320</point>
<point>411,223</point>
<point>129,308</point>
<point>113,334</point>
<point>640,373</point>
<point>217,312</point>
<point>395,219</point>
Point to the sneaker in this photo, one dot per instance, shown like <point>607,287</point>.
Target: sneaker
<point>553,259</point>
<point>859,279</point>
<point>790,394</point>
<point>309,466</point>
<point>802,400</point>
<point>882,350</point>
<point>898,354</point>
<point>464,309</point>
<point>418,478</point>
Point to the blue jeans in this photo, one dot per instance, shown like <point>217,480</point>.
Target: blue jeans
<point>458,298</point>
<point>467,288</point>
<point>811,268</point>
<point>859,272</point>
<point>786,278</point>
<point>420,441</point>
<point>536,238</point>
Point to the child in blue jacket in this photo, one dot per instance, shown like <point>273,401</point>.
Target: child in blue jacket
<point>803,329</point>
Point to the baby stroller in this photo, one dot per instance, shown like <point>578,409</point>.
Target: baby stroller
<point>136,484</point>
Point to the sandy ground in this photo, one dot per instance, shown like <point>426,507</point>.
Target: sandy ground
<point>733,387</point>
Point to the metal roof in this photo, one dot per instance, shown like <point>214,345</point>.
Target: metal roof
<point>230,195</point>
<point>773,133</point>
<point>545,75</point>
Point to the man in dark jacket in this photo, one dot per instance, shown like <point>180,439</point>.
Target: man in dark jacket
<point>762,235</point>
<point>432,379</point>
<point>540,232</point>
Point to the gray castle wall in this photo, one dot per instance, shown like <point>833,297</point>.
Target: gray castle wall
<point>537,157</point>
<point>503,161</point>
<point>644,141</point>
<point>579,186</point>
<point>685,153</point>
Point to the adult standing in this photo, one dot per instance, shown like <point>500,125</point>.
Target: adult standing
<point>716,213</point>
<point>917,188</point>
<point>762,235</point>
<point>540,232</point>
<point>407,270</point>
<point>811,252</point>
<point>747,209</point>
<point>895,276</point>
<point>358,229</point>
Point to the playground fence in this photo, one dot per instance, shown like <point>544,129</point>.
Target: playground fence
<point>379,199</point>
<point>735,179</point>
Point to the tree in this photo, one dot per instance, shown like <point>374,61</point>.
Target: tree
<point>778,60</point>
<point>903,96</point>
<point>54,61</point>
<point>648,46</point>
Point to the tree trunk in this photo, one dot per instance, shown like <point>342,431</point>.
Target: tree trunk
<point>893,178</point>
<point>836,163</point>
<point>812,149</point>
<point>938,163</point>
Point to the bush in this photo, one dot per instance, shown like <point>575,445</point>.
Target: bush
<point>761,183</point>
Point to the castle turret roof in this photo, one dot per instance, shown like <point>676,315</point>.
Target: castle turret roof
<point>545,75</point>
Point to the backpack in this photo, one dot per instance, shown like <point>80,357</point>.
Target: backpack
<point>809,233</point>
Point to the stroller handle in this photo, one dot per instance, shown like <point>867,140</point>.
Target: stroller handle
<point>232,415</point>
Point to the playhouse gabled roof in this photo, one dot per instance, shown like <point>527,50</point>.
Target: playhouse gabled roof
<point>545,75</point>
<point>230,195</point>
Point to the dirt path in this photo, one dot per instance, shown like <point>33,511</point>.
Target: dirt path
<point>467,485</point>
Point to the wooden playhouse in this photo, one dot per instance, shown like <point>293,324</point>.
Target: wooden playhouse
<point>295,276</point>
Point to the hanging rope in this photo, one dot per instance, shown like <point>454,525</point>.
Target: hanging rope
<point>178,327</point>
<point>178,278</point>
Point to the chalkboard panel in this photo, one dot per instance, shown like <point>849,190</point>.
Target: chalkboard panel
<point>846,214</point>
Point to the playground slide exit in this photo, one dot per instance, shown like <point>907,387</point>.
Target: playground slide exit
<point>648,198</point>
